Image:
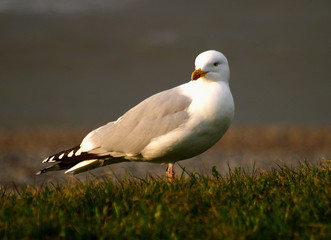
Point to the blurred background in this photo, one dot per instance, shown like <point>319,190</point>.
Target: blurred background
<point>68,66</point>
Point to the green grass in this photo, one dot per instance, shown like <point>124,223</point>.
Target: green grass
<point>280,204</point>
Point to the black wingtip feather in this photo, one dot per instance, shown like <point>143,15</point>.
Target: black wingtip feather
<point>64,154</point>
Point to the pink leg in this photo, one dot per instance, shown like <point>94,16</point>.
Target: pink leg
<point>170,173</point>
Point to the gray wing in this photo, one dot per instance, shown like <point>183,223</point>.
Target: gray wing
<point>153,117</point>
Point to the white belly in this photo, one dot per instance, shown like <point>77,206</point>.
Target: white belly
<point>211,114</point>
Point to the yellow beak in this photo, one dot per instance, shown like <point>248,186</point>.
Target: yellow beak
<point>198,74</point>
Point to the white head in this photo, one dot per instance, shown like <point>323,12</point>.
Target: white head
<point>211,65</point>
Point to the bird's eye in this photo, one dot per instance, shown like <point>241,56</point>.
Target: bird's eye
<point>216,64</point>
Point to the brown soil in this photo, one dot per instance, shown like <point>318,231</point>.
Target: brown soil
<point>22,151</point>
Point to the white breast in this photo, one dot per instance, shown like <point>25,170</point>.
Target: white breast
<point>211,113</point>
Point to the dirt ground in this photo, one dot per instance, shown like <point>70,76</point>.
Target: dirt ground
<point>21,152</point>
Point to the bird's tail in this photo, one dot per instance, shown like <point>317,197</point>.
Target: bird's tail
<point>76,161</point>
<point>80,167</point>
<point>73,160</point>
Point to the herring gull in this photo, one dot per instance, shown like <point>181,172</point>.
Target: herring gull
<point>169,126</point>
